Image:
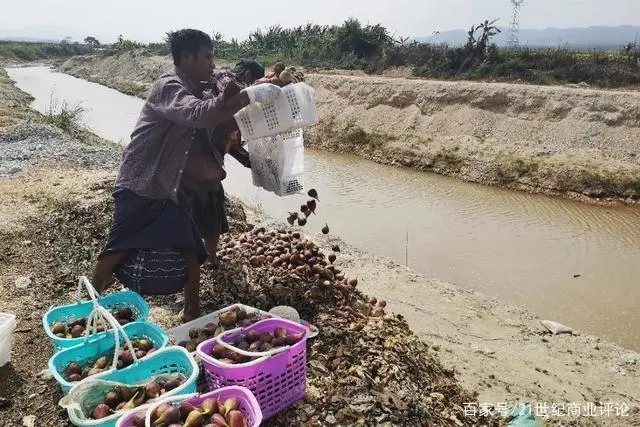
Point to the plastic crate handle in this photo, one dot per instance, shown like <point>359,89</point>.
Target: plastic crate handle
<point>93,294</point>
<point>269,353</point>
<point>170,399</point>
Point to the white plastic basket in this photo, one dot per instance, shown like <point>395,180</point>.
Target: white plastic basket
<point>295,108</point>
<point>277,163</point>
<point>181,333</point>
<point>7,326</point>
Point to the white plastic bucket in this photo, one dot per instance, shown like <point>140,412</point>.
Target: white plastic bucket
<point>7,326</point>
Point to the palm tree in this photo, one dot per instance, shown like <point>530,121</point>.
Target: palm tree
<point>628,50</point>
<point>488,30</point>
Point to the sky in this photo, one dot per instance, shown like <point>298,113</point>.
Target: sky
<point>149,20</point>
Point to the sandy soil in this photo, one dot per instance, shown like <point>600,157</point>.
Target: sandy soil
<point>571,141</point>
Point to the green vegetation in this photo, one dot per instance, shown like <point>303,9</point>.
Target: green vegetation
<point>123,45</point>
<point>601,183</point>
<point>25,51</point>
<point>448,159</point>
<point>63,115</point>
<point>68,118</point>
<point>372,48</point>
<point>130,88</point>
<point>510,170</point>
<point>92,41</point>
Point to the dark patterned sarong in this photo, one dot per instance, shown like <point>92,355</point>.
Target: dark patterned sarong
<point>156,234</point>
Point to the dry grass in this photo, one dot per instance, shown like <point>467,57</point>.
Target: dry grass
<point>62,115</point>
<point>14,104</point>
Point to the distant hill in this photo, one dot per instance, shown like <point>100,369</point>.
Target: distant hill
<point>599,37</point>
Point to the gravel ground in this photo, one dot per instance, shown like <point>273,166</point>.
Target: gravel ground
<point>26,144</point>
<point>26,140</point>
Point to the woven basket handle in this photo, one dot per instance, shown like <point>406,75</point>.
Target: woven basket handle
<point>98,313</point>
<point>84,282</point>
<point>248,353</point>
<point>170,399</point>
<point>118,332</point>
<point>123,334</point>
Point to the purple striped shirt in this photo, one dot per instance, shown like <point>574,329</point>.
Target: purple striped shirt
<point>155,159</point>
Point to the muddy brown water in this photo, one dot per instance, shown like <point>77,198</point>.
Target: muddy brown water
<point>571,262</point>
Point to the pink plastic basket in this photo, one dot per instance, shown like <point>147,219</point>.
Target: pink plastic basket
<point>127,419</point>
<point>277,379</point>
<point>248,404</point>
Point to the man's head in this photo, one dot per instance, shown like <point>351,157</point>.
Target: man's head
<point>192,51</point>
<point>248,71</point>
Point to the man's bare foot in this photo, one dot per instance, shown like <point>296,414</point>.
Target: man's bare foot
<point>189,315</point>
<point>212,263</point>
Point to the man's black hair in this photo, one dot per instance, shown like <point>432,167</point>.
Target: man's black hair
<point>257,70</point>
<point>187,40</point>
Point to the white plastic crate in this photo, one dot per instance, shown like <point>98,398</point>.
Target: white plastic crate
<point>7,326</point>
<point>181,333</point>
<point>277,163</point>
<point>295,108</point>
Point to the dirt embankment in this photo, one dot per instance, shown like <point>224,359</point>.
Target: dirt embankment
<point>569,141</point>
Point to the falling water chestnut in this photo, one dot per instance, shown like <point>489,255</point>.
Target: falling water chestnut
<point>311,204</point>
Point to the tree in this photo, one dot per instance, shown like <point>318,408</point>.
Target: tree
<point>92,41</point>
<point>217,37</point>
<point>123,44</point>
<point>631,51</point>
<point>488,30</point>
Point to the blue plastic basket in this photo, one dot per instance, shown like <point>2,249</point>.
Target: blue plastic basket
<point>169,360</point>
<point>98,346</point>
<point>71,312</point>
